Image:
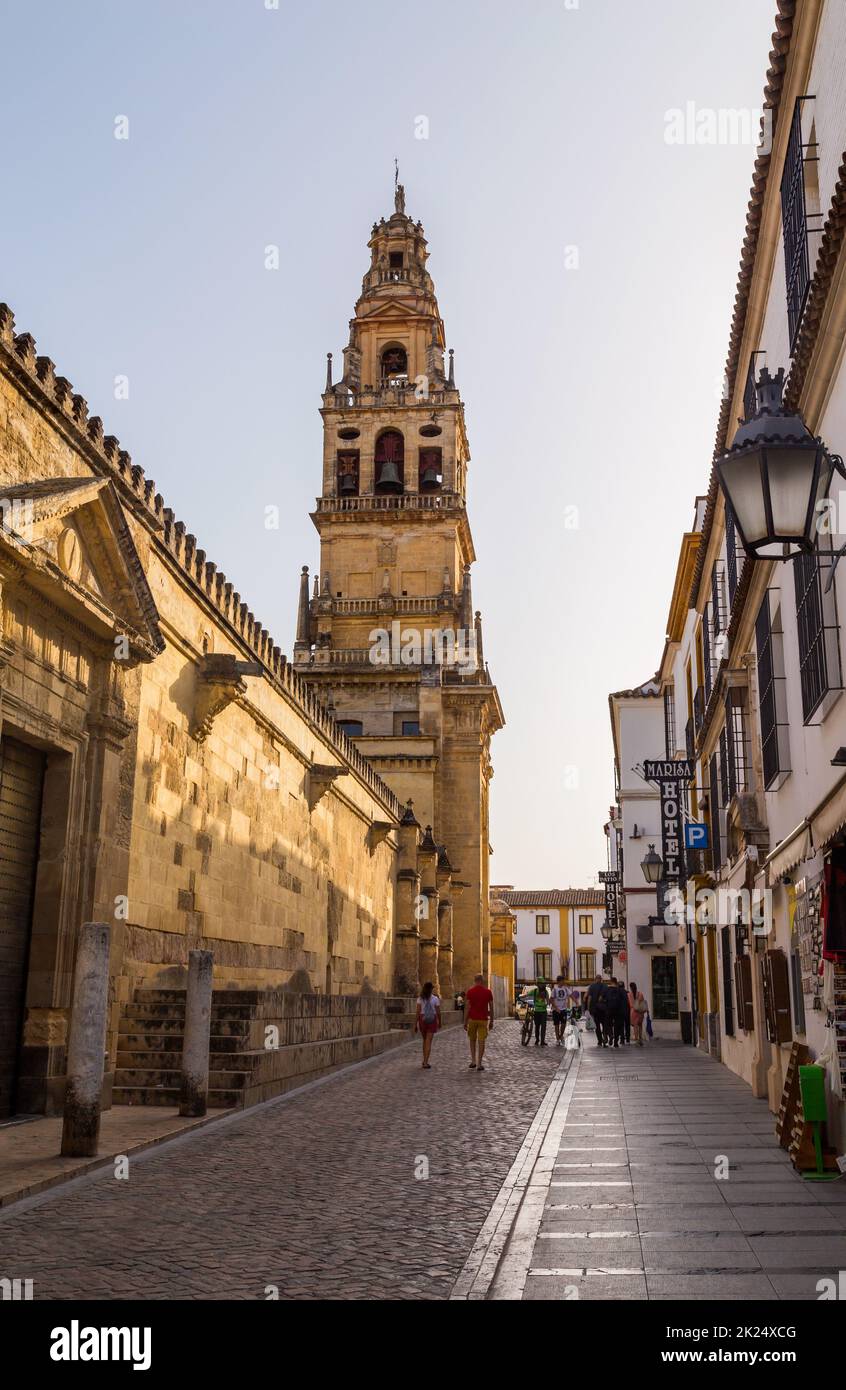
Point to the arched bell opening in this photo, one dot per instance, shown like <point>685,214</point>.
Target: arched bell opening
<point>394,364</point>
<point>431,473</point>
<point>389,462</point>
<point>348,472</point>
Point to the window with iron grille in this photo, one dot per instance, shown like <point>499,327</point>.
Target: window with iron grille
<point>725,795</point>
<point>734,559</point>
<point>714,815</point>
<point>670,722</point>
<point>794,220</point>
<point>816,620</point>
<point>689,741</point>
<point>706,650</point>
<point>772,699</point>
<point>750,399</point>
<point>698,708</point>
<point>736,744</point>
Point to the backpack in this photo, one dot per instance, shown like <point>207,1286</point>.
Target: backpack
<point>428,1009</point>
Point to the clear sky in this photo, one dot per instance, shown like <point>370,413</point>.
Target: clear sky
<point>590,375</point>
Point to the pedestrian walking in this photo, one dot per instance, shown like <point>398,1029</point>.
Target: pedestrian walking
<point>479,1019</point>
<point>541,1001</point>
<point>560,1004</point>
<point>428,1020</point>
<point>639,1009</point>
<point>595,1004</point>
<point>617,1006</point>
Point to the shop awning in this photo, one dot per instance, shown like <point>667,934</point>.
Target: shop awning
<point>792,850</point>
<point>830,817</point>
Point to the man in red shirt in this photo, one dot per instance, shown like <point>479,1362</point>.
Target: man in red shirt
<point>478,1019</point>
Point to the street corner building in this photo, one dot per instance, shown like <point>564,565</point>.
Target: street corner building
<point>321,826</point>
<point>731,847</point>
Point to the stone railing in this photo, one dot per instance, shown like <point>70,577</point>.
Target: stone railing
<point>391,502</point>
<point>343,399</point>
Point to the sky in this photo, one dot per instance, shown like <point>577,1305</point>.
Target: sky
<point>584,243</point>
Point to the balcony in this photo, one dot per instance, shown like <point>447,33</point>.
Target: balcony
<point>404,394</point>
<point>405,502</point>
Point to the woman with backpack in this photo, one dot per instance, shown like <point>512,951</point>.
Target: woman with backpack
<point>428,1019</point>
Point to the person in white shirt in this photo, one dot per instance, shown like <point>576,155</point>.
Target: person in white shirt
<point>560,1005</point>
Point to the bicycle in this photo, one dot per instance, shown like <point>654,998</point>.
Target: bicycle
<point>528,1024</point>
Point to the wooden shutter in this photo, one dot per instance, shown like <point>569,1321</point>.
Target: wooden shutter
<point>728,1006</point>
<point>743,988</point>
<point>776,982</point>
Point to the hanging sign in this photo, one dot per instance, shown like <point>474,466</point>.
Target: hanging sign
<point>671,774</point>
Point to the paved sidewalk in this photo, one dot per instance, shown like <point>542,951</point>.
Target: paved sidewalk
<point>30,1149</point>
<point>314,1193</point>
<point>630,1208</point>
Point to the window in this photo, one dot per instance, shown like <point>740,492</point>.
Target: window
<point>736,746</point>
<point>796,183</point>
<point>670,722</point>
<point>585,924</point>
<point>543,965</point>
<point>410,726</point>
<point>542,925</point>
<point>353,728</point>
<point>731,558</point>
<point>816,615</point>
<point>395,259</point>
<point>586,966</point>
<point>772,701</point>
<point>714,814</point>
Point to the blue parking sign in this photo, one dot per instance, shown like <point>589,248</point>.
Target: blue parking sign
<point>695,835</point>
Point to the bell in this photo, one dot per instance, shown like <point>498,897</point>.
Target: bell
<point>389,477</point>
<point>430,478</point>
<point>347,485</point>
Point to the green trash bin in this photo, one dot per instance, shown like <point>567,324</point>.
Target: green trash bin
<point>812,1089</point>
<point>815,1112</point>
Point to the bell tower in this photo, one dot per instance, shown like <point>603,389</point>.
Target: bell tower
<point>388,635</point>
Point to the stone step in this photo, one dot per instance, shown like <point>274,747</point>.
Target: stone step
<point>172,1027</point>
<point>170,1080</point>
<point>156,1043</point>
<point>150,1059</point>
<point>237,997</point>
<point>225,1012</point>
<point>150,1095</point>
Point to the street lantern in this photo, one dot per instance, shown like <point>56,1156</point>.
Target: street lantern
<point>775,476</point>
<point>652,865</point>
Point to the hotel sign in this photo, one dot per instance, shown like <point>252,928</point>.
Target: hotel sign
<point>672,775</point>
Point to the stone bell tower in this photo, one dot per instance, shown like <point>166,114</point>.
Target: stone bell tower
<point>388,635</point>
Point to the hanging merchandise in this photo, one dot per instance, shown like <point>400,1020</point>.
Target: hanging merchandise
<point>834,906</point>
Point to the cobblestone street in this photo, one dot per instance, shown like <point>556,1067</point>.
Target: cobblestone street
<point>316,1195</point>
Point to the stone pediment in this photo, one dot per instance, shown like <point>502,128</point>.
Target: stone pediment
<point>73,542</point>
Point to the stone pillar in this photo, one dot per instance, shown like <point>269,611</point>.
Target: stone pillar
<point>194,1085</point>
<point>87,1042</point>
<point>427,860</point>
<point>406,931</point>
